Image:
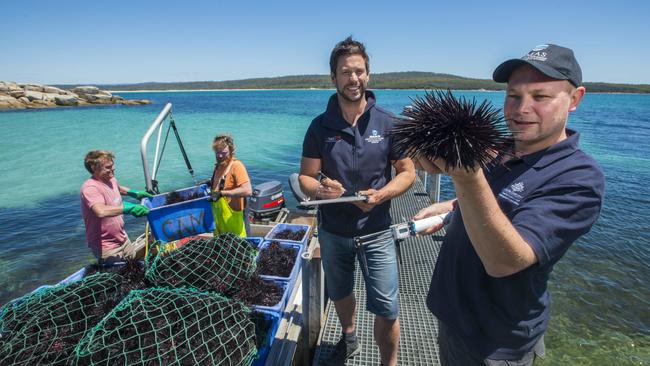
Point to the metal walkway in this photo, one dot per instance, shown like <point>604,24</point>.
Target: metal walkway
<point>419,328</point>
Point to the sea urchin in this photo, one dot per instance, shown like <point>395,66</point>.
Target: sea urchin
<point>440,126</point>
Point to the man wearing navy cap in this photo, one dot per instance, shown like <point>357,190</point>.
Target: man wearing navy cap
<point>514,221</point>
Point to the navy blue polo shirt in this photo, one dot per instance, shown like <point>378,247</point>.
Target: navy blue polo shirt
<point>359,158</point>
<point>552,197</point>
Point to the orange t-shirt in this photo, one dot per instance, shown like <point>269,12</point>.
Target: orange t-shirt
<point>235,177</point>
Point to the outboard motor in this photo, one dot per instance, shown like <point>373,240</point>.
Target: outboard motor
<point>267,200</point>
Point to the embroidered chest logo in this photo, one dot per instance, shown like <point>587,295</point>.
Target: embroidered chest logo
<point>517,187</point>
<point>375,138</point>
<point>333,139</point>
<point>513,194</point>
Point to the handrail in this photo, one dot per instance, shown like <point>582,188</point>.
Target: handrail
<point>434,192</point>
<point>157,123</point>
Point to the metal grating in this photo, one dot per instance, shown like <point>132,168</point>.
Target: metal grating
<point>419,328</point>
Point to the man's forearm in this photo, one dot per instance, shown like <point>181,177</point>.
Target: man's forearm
<point>309,185</point>
<point>404,178</point>
<point>123,190</point>
<point>103,210</point>
<point>398,185</point>
<point>498,244</point>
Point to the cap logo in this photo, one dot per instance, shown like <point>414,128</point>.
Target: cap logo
<point>535,56</point>
<point>541,47</point>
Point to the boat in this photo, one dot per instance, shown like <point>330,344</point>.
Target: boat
<point>300,328</point>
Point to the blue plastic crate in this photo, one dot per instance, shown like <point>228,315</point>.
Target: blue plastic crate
<point>255,240</point>
<point>294,228</point>
<point>282,303</point>
<point>79,275</point>
<point>182,219</point>
<point>271,321</point>
<point>296,267</point>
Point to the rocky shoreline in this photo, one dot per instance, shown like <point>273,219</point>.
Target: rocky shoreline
<point>30,96</point>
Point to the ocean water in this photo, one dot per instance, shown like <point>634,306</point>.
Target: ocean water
<point>600,290</point>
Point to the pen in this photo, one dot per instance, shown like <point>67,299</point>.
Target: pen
<point>324,176</point>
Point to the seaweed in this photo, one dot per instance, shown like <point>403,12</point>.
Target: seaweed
<point>132,270</point>
<point>177,196</point>
<point>55,324</point>
<point>288,234</point>
<point>257,291</point>
<point>275,260</point>
<point>209,264</point>
<point>180,327</point>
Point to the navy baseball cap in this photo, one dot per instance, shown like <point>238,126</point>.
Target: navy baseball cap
<point>554,61</point>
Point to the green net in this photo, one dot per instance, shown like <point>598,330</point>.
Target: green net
<point>208,264</point>
<point>171,327</point>
<point>43,328</point>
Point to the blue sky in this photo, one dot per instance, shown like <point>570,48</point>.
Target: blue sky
<point>84,42</point>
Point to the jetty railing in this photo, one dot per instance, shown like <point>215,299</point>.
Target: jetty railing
<point>157,123</point>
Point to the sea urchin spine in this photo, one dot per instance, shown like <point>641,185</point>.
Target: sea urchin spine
<point>456,130</point>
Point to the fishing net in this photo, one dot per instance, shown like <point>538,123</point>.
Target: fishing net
<point>43,328</point>
<point>171,327</point>
<point>208,264</point>
<point>131,269</point>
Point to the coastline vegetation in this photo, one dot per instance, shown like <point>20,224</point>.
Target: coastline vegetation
<point>391,80</point>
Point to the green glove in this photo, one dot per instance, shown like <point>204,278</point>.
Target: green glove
<point>135,209</point>
<point>138,194</point>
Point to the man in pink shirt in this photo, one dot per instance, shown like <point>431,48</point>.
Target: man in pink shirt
<point>102,209</point>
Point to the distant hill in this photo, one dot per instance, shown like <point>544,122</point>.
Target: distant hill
<point>391,80</point>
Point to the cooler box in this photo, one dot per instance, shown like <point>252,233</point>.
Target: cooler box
<point>182,219</point>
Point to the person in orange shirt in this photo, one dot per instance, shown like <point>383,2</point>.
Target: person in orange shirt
<point>230,186</point>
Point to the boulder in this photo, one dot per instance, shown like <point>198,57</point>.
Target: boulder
<point>103,99</point>
<point>13,95</point>
<point>41,104</point>
<point>8,86</point>
<point>136,102</point>
<point>85,90</point>
<point>8,102</point>
<point>66,100</point>
<point>51,89</point>
<point>17,93</point>
<point>6,98</point>
<point>34,95</point>
<point>88,97</point>
<point>33,87</point>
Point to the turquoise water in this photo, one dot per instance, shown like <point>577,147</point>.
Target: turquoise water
<point>600,292</point>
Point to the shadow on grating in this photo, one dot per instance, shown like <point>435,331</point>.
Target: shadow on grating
<point>418,326</point>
